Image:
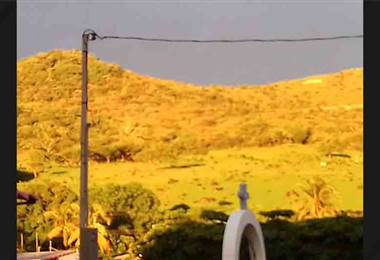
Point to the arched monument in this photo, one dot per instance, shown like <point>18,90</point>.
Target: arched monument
<point>243,238</point>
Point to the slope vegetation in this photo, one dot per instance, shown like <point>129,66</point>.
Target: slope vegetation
<point>140,118</point>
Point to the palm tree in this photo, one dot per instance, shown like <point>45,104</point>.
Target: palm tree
<point>99,219</point>
<point>313,199</point>
<point>64,221</point>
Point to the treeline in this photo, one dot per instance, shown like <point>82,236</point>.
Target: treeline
<point>130,221</point>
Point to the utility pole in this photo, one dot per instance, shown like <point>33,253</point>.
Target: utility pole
<point>88,237</point>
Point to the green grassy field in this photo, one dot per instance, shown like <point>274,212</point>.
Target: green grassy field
<point>204,181</point>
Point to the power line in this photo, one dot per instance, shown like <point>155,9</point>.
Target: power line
<point>227,41</point>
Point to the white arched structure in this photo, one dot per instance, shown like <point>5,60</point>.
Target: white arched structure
<point>243,238</point>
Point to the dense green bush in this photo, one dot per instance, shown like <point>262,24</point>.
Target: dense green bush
<point>138,204</point>
<point>328,238</point>
<point>216,216</point>
<point>185,239</point>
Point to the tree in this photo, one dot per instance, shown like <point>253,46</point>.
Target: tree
<point>313,199</point>
<point>34,162</point>
<point>122,214</point>
<point>55,207</point>
<point>132,200</point>
<point>99,219</point>
<point>64,219</point>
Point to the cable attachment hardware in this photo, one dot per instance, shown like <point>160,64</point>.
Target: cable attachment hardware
<point>90,34</point>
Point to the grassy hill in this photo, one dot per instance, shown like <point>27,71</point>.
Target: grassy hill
<point>140,118</point>
<point>190,147</point>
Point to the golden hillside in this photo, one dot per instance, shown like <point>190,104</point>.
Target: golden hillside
<point>134,117</point>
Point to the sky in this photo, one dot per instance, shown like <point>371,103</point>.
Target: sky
<point>47,25</point>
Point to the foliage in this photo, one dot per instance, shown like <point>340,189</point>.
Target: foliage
<point>299,135</point>
<point>114,211</point>
<point>64,219</point>
<point>313,199</point>
<point>174,234</point>
<point>133,117</point>
<point>23,176</point>
<point>183,207</point>
<point>264,133</point>
<point>54,199</point>
<point>328,238</point>
<point>184,240</point>
<point>277,214</point>
<point>139,205</point>
<point>216,216</point>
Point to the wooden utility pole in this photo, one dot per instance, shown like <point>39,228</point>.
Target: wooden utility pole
<point>87,247</point>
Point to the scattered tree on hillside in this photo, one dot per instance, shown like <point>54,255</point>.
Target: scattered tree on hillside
<point>34,162</point>
<point>313,199</point>
<point>200,119</point>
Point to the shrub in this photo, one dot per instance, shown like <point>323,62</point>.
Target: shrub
<point>277,214</point>
<point>224,203</point>
<point>135,202</point>
<point>182,207</point>
<point>185,239</point>
<point>299,134</point>
<point>212,215</point>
